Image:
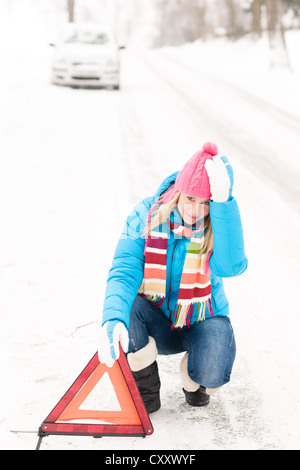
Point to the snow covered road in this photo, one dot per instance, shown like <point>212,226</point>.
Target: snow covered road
<point>73,164</point>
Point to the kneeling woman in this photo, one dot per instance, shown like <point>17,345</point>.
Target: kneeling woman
<point>165,291</point>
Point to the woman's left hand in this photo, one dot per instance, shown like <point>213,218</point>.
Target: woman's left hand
<point>220,174</point>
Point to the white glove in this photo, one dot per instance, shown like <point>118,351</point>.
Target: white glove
<point>112,333</point>
<point>220,176</point>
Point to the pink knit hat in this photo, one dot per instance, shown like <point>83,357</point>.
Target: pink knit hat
<point>193,179</point>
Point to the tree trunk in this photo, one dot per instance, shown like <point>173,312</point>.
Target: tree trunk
<point>200,18</point>
<point>256,18</point>
<point>279,55</point>
<point>232,19</point>
<point>71,8</point>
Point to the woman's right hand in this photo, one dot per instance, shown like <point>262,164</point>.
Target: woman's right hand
<point>112,333</point>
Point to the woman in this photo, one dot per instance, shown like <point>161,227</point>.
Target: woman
<point>165,291</point>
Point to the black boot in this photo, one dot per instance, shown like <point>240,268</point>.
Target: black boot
<point>198,398</point>
<point>148,383</point>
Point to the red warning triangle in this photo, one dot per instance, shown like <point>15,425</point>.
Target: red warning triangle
<point>72,416</point>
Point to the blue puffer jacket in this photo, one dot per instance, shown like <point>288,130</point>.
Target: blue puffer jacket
<point>126,274</point>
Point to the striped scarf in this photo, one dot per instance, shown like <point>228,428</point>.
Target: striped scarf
<point>195,288</point>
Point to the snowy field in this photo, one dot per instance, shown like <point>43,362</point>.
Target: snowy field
<point>74,163</point>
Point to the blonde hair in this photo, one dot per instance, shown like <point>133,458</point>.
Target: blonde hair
<point>162,213</point>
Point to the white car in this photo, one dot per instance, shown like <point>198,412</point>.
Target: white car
<point>86,56</point>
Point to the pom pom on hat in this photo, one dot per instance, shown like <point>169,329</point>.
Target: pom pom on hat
<point>210,148</point>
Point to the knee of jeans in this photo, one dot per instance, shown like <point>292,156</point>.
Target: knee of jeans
<point>210,375</point>
<point>137,307</point>
<point>138,304</point>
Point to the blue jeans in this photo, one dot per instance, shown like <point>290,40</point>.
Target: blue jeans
<point>210,344</point>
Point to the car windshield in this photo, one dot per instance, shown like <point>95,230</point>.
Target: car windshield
<point>87,37</point>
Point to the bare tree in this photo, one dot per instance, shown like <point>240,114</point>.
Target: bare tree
<point>279,55</point>
<point>256,18</point>
<point>231,18</point>
<point>197,18</point>
<point>237,18</point>
<point>71,10</point>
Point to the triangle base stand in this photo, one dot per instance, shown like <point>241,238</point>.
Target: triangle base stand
<point>68,417</point>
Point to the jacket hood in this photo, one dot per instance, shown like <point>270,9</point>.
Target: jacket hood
<point>165,184</point>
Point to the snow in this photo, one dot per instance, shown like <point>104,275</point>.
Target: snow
<point>74,163</point>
